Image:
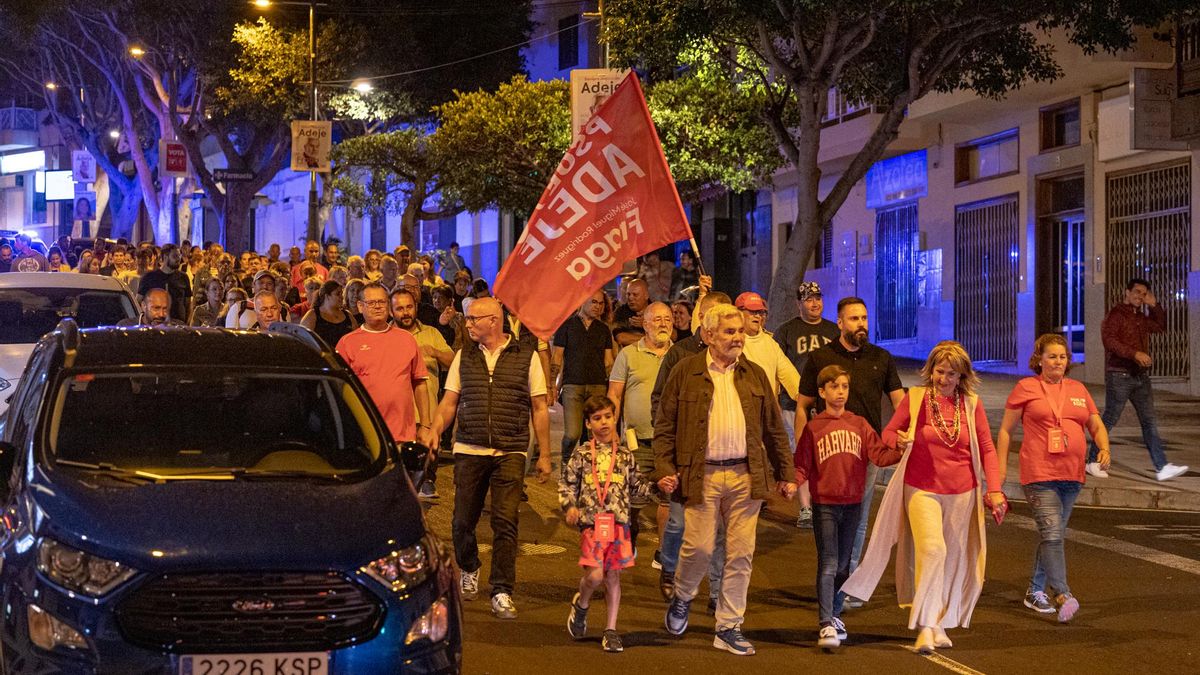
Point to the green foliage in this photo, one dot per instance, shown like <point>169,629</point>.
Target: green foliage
<point>401,162</point>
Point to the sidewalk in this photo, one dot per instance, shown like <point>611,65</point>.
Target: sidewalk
<point>1131,482</point>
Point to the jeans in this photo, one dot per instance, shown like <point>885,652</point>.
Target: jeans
<point>1051,502</point>
<point>1120,387</point>
<point>668,550</point>
<point>834,527</point>
<point>573,397</point>
<point>474,475</point>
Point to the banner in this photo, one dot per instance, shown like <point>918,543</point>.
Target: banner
<point>172,159</point>
<point>611,200</point>
<point>311,143</point>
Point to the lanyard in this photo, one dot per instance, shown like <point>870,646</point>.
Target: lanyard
<point>612,467</point>
<point>1056,404</point>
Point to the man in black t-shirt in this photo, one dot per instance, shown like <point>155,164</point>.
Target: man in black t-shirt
<point>798,337</point>
<point>583,353</point>
<point>170,278</point>
<point>872,376</point>
<point>627,320</point>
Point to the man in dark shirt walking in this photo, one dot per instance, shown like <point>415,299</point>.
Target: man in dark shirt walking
<point>1126,333</point>
<point>583,353</point>
<point>173,281</point>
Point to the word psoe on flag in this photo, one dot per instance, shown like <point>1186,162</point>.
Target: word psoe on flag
<point>610,200</point>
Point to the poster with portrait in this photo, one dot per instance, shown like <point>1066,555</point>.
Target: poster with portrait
<point>311,143</point>
<point>83,209</point>
<point>83,166</point>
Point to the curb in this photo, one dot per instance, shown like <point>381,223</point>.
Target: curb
<point>1124,497</point>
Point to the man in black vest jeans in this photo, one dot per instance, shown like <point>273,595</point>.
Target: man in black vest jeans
<point>494,387</point>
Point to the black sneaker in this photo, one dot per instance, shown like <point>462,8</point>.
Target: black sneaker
<point>577,619</point>
<point>611,642</point>
<point>677,616</point>
<point>1038,602</point>
<point>666,585</point>
<point>657,562</point>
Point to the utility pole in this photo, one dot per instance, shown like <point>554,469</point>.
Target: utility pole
<point>314,227</point>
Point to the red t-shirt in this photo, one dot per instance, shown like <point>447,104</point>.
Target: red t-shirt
<point>389,364</point>
<point>934,466</point>
<point>832,453</point>
<point>298,278</point>
<point>1038,418</point>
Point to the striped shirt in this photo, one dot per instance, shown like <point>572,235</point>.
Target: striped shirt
<point>726,421</point>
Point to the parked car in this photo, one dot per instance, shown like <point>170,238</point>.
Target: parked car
<point>191,501</point>
<point>32,304</point>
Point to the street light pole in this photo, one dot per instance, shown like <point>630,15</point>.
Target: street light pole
<point>314,230</point>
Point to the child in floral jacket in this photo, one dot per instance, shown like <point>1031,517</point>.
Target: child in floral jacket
<point>598,483</point>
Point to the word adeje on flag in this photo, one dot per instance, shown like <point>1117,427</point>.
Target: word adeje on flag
<point>611,200</point>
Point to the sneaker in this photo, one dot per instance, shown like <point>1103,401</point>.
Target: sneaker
<point>677,616</point>
<point>470,585</point>
<point>666,585</point>
<point>611,642</point>
<point>1170,471</point>
<point>428,491</point>
<point>732,641</point>
<point>804,520</point>
<point>1038,602</point>
<point>1094,469</point>
<point>853,602</point>
<point>577,619</point>
<point>657,562</point>
<point>828,638</point>
<point>503,607</point>
<point>840,628</point>
<point>1067,606</point>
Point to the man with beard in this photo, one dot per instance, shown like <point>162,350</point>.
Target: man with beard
<point>630,383</point>
<point>156,306</point>
<point>872,375</point>
<point>720,448</point>
<point>438,357</point>
<point>175,282</point>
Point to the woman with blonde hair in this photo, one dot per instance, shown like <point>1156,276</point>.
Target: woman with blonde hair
<point>1054,410</point>
<point>373,259</point>
<point>933,509</point>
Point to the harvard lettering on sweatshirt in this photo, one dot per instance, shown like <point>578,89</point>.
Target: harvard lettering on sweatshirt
<point>832,453</point>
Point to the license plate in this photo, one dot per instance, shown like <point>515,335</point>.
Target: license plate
<point>303,663</point>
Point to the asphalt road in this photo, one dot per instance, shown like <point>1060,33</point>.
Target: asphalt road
<point>1136,574</point>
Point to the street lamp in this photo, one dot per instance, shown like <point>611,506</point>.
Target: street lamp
<point>362,86</point>
<point>313,226</point>
<point>137,52</point>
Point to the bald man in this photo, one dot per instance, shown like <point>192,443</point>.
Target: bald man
<point>156,311</point>
<point>627,320</point>
<point>495,387</point>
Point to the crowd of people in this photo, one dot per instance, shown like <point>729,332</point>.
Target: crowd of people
<point>694,412</point>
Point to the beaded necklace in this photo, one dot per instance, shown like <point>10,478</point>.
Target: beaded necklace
<point>948,433</point>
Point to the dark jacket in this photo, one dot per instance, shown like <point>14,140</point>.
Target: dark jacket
<point>1126,331</point>
<point>681,428</point>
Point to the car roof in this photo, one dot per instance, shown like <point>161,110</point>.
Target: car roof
<point>88,282</point>
<point>188,347</point>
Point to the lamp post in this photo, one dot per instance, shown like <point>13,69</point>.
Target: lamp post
<point>314,230</point>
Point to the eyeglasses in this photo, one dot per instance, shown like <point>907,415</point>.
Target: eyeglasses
<point>756,312</point>
<point>374,303</point>
<point>476,319</point>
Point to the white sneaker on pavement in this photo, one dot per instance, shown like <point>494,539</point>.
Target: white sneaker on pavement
<point>1094,469</point>
<point>1170,471</point>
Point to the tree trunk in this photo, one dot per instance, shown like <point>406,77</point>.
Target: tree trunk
<point>124,206</point>
<point>378,214</point>
<point>234,216</point>
<point>411,215</point>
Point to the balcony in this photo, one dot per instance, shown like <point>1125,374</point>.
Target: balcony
<point>18,129</point>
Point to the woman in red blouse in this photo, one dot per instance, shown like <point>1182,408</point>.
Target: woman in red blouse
<point>937,495</point>
<point>1054,411</point>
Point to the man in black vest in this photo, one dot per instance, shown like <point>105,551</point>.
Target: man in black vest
<point>494,386</point>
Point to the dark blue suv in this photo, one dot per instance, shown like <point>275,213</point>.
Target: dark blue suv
<point>204,502</point>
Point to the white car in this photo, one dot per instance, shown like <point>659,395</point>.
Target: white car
<point>32,303</point>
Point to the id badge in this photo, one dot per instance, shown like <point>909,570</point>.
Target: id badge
<point>604,527</point>
<point>1056,440</point>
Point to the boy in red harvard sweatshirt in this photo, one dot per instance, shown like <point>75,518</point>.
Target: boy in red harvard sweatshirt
<point>832,454</point>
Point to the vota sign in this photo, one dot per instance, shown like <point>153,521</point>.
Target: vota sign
<point>897,179</point>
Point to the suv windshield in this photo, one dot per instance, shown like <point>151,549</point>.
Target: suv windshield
<point>26,314</point>
<point>198,424</point>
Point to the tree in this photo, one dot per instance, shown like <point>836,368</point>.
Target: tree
<point>888,53</point>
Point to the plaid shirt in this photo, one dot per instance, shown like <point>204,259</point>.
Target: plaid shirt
<point>578,487</point>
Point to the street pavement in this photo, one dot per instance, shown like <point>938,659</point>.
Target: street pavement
<point>1136,573</point>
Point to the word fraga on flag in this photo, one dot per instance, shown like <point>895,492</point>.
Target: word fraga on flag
<point>611,199</point>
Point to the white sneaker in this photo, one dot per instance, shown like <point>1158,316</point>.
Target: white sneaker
<point>828,638</point>
<point>1096,470</point>
<point>1170,471</point>
<point>470,585</point>
<point>503,607</point>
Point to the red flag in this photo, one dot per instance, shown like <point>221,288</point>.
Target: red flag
<point>611,200</point>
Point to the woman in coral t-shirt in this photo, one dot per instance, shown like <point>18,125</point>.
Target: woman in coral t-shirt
<point>1054,410</point>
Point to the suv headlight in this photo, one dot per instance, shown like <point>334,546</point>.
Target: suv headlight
<point>81,572</point>
<point>402,569</point>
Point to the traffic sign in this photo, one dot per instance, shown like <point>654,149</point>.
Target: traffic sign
<point>227,176</point>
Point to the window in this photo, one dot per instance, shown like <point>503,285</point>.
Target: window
<point>988,157</point>
<point>1060,125</point>
<point>568,42</point>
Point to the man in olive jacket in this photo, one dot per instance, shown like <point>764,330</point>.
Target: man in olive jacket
<point>720,447</point>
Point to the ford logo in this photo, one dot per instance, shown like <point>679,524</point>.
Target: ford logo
<point>256,606</point>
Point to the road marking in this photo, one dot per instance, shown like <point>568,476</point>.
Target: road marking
<point>946,662</point>
<point>1118,546</point>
